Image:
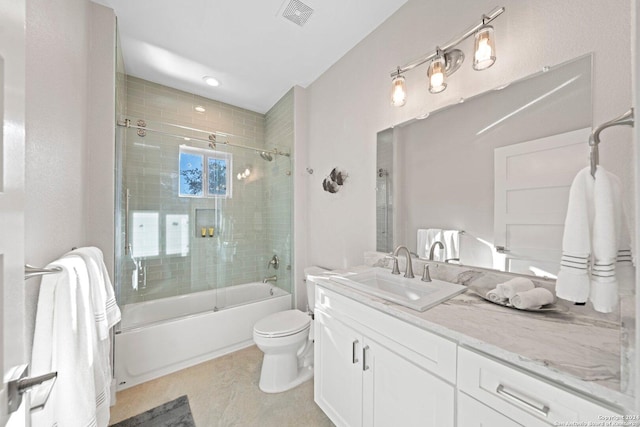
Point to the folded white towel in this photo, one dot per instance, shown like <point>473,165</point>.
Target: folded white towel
<point>515,285</point>
<point>572,283</point>
<point>496,296</point>
<point>532,299</point>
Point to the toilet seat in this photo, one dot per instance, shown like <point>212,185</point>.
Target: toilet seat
<point>282,324</point>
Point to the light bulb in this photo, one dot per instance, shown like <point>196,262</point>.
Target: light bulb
<point>239,176</point>
<point>398,91</point>
<point>247,172</point>
<point>485,49</point>
<point>436,75</point>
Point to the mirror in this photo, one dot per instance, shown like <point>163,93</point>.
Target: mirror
<point>442,172</point>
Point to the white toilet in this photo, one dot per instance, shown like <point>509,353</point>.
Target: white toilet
<point>286,339</point>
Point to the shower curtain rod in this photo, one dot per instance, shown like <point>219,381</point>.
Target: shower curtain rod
<point>212,140</point>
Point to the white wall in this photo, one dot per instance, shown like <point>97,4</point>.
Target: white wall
<point>349,103</point>
<point>58,37</point>
<point>99,202</point>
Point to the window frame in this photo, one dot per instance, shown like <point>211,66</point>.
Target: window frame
<point>207,154</point>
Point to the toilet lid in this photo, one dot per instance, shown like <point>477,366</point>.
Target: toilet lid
<point>282,323</point>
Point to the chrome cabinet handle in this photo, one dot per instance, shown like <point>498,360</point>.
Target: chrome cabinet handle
<point>365,350</point>
<point>354,357</point>
<point>544,411</point>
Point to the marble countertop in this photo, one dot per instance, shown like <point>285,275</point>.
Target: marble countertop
<point>577,351</point>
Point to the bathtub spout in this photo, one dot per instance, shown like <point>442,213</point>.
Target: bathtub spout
<point>273,279</point>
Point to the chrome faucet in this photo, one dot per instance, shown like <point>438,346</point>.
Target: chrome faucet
<point>408,273</point>
<point>273,279</point>
<point>433,248</point>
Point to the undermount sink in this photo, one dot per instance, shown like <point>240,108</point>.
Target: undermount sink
<point>411,293</point>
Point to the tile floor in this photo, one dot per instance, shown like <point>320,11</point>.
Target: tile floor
<point>224,392</point>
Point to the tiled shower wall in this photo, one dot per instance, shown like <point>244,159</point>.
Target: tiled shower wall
<point>279,204</point>
<point>243,241</point>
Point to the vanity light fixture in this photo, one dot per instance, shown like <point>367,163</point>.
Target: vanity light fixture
<point>485,48</point>
<point>398,91</point>
<point>445,60</point>
<point>436,73</point>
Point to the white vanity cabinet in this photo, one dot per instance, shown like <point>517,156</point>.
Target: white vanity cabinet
<point>518,396</point>
<point>378,370</point>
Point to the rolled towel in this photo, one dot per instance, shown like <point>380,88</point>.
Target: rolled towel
<point>496,296</point>
<point>532,299</point>
<point>515,285</point>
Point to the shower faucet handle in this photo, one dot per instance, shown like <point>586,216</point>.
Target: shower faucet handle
<point>275,261</point>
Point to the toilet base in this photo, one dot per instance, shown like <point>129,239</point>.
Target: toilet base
<point>305,373</point>
<point>284,371</point>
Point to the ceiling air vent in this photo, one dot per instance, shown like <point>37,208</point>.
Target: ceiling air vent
<point>297,12</point>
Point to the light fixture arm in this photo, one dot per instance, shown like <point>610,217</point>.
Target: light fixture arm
<point>486,19</point>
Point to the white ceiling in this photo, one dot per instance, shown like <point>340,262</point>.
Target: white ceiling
<point>255,53</point>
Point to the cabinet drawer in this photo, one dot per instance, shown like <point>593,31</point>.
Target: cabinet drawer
<point>472,413</point>
<point>427,350</point>
<point>521,397</point>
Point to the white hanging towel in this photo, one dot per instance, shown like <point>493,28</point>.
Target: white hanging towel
<point>65,340</point>
<point>106,311</point>
<point>572,283</point>
<point>425,238</point>
<point>595,230</point>
<point>106,315</point>
<point>625,270</point>
<point>451,241</point>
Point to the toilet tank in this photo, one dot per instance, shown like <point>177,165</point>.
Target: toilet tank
<point>311,294</point>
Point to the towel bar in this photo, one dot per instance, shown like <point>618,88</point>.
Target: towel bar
<point>31,271</point>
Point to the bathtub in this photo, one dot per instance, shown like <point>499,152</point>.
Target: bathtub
<point>163,336</point>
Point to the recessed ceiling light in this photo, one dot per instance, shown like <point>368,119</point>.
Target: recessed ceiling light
<point>200,109</point>
<point>211,81</point>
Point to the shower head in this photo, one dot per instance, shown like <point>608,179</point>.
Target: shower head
<point>267,156</point>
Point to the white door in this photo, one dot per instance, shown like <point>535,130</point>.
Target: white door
<point>12,100</point>
<point>532,181</point>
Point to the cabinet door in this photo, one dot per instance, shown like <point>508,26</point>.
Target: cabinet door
<point>472,413</point>
<point>338,371</point>
<point>401,393</point>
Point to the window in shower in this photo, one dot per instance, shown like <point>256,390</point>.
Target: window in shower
<point>145,236</point>
<point>204,173</point>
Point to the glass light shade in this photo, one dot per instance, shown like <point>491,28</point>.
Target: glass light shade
<point>485,48</point>
<point>398,91</point>
<point>436,75</point>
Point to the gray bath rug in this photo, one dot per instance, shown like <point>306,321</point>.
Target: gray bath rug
<point>176,413</point>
